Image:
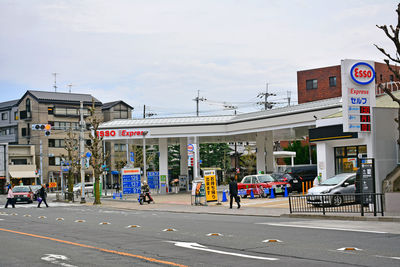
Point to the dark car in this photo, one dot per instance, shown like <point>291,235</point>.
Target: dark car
<point>35,189</point>
<point>23,193</point>
<point>306,172</point>
<point>293,179</point>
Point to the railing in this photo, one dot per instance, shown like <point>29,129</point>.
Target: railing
<point>337,203</point>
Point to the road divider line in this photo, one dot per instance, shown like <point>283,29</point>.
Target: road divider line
<point>96,248</point>
<point>324,228</point>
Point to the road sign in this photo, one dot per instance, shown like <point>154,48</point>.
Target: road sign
<point>132,157</point>
<point>190,147</point>
<point>88,154</point>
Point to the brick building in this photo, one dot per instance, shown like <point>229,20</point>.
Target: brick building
<point>324,83</point>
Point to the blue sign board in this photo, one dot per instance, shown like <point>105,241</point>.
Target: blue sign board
<point>132,157</point>
<point>88,154</point>
<point>153,179</point>
<point>131,183</point>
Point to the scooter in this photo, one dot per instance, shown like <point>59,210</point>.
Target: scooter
<point>141,198</point>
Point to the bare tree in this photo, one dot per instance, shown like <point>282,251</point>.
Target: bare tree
<point>96,149</point>
<point>72,158</point>
<point>392,180</point>
<point>393,34</point>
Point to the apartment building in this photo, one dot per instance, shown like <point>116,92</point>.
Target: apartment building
<point>61,111</point>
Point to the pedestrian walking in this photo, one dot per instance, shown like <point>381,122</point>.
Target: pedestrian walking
<point>233,192</point>
<point>43,195</point>
<point>10,197</point>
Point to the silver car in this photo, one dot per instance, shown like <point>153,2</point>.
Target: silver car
<point>339,189</point>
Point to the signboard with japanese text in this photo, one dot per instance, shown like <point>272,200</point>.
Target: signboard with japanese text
<point>210,181</point>
<point>358,94</point>
<point>131,181</point>
<point>153,179</point>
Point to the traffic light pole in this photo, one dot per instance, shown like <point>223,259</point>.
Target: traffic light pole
<point>41,162</point>
<point>81,154</point>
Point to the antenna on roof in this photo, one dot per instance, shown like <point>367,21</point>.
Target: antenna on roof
<point>70,85</point>
<point>55,81</point>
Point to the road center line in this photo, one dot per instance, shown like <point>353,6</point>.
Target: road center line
<point>324,228</point>
<point>96,248</point>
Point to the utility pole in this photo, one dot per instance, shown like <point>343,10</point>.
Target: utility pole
<point>267,105</point>
<point>144,111</point>
<point>55,81</point>
<point>81,154</point>
<point>289,93</point>
<point>197,99</point>
<point>70,85</point>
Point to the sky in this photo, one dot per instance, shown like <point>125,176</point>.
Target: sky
<point>159,53</point>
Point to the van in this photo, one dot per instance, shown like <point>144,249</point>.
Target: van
<point>89,188</point>
<point>307,172</point>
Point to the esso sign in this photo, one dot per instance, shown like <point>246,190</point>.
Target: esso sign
<point>106,133</point>
<point>362,73</point>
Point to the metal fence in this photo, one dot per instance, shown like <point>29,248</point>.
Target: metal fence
<point>343,203</point>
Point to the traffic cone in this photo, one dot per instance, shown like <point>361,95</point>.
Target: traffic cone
<point>224,199</point>
<point>272,193</point>
<point>251,194</point>
<point>286,192</point>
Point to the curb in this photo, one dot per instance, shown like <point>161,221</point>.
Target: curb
<point>341,217</point>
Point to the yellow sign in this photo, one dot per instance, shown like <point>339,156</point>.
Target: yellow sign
<point>52,185</point>
<point>210,181</point>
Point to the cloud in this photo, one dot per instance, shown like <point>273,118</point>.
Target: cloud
<point>159,53</point>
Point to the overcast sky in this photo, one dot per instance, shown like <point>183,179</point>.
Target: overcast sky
<point>158,53</point>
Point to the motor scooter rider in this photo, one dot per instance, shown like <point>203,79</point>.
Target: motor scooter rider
<point>146,191</point>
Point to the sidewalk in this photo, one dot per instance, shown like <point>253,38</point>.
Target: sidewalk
<point>265,207</point>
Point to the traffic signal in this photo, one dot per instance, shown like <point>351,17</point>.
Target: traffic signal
<point>42,127</point>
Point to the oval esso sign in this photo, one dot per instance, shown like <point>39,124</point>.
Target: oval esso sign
<point>362,73</point>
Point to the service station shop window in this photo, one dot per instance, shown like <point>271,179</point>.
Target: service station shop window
<point>346,158</point>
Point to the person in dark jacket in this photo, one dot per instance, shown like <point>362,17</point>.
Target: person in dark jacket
<point>43,195</point>
<point>233,191</point>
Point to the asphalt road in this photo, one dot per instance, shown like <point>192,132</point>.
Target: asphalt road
<point>73,235</point>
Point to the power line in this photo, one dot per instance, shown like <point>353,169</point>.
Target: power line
<point>197,99</point>
<point>267,105</point>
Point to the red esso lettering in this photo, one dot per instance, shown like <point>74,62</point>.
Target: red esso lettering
<point>112,133</point>
<point>362,73</point>
<point>356,72</point>
<point>107,133</point>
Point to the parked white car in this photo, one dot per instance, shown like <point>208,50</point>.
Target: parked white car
<point>339,189</point>
<point>89,188</point>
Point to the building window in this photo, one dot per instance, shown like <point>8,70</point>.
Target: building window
<point>24,132</point>
<point>28,105</point>
<point>64,125</point>
<point>4,116</point>
<point>16,115</point>
<point>312,84</point>
<point>50,110</point>
<point>119,147</point>
<point>346,158</point>
<point>56,143</point>
<point>391,78</point>
<point>19,161</point>
<point>380,77</point>
<point>54,161</point>
<point>332,81</point>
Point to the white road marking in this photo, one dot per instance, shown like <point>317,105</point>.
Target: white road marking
<point>388,257</point>
<point>204,248</point>
<point>324,228</point>
<point>349,249</point>
<point>55,259</point>
<point>1,219</point>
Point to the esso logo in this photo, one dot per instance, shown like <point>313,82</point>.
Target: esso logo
<point>362,73</point>
<point>105,133</point>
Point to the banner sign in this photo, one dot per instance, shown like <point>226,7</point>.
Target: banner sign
<point>131,181</point>
<point>358,94</point>
<point>115,134</point>
<point>210,181</point>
